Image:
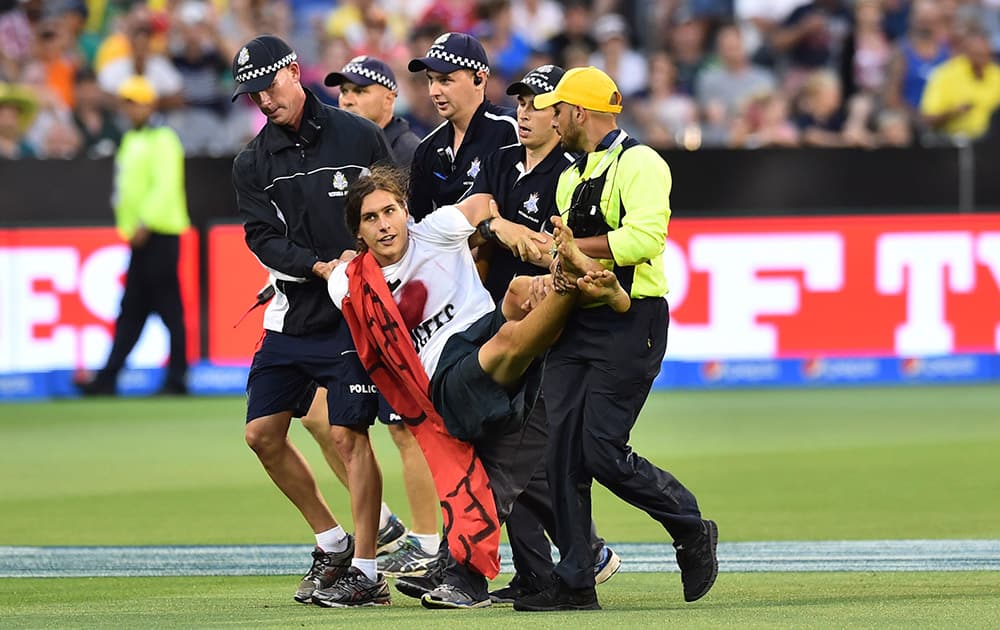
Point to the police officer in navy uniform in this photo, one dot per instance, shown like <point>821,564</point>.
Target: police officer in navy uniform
<point>368,88</point>
<point>448,159</point>
<point>291,184</point>
<point>521,178</point>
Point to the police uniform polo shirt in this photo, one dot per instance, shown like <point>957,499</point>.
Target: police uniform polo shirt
<point>525,197</point>
<point>635,201</point>
<point>438,177</point>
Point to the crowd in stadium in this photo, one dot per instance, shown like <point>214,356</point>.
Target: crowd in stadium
<point>694,73</point>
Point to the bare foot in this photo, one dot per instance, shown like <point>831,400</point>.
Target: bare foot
<point>602,286</point>
<point>574,263</point>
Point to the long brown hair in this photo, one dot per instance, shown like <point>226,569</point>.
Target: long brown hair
<point>387,178</point>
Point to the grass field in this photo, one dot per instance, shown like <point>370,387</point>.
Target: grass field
<point>841,464</point>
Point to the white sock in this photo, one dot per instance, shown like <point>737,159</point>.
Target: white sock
<point>383,517</point>
<point>428,542</point>
<point>366,566</point>
<point>332,539</point>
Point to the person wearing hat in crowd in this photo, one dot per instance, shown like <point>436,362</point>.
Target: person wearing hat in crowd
<point>18,107</point>
<point>151,213</point>
<point>448,159</point>
<point>291,182</point>
<point>368,88</point>
<point>521,179</point>
<point>616,201</point>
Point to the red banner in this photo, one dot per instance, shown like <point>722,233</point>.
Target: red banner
<point>234,278</point>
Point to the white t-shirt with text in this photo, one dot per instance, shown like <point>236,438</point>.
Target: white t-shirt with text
<point>435,283</point>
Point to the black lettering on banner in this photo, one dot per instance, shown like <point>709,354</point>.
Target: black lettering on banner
<point>463,491</point>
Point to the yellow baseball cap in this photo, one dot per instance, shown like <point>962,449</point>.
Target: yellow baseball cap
<point>588,87</point>
<point>138,90</point>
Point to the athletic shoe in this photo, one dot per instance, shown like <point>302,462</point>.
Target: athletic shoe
<point>512,592</point>
<point>607,565</point>
<point>698,562</point>
<point>325,570</point>
<point>409,559</point>
<point>559,597</point>
<point>450,596</point>
<point>353,589</point>
<point>390,537</point>
<point>417,587</point>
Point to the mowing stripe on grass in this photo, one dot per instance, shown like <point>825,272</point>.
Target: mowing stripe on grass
<point>865,555</point>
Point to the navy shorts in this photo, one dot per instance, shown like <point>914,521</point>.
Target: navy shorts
<point>470,402</point>
<point>287,368</point>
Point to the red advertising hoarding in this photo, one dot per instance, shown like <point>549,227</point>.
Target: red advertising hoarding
<point>896,285</point>
<point>60,293</point>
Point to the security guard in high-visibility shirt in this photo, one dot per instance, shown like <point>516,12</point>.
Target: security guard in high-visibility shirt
<point>597,377</point>
<point>150,212</point>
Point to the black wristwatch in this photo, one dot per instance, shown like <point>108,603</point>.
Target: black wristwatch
<point>484,229</point>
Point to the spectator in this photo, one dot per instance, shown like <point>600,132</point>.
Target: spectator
<point>451,15</point>
<point>93,118</point>
<point>758,20</point>
<point>508,51</point>
<point>923,48</point>
<point>17,110</point>
<point>963,92</point>
<point>53,61</point>
<point>893,129</point>
<point>667,118</point>
<point>765,122</point>
<point>200,56</point>
<point>821,115</point>
<point>62,141</point>
<point>142,61</point>
<point>723,89</point>
<point>687,49</point>
<point>575,34</point>
<point>536,21</point>
<point>616,57</point>
<point>812,37</point>
<point>867,51</point>
<point>15,39</point>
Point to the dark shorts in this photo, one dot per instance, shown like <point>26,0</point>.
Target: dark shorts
<point>287,368</point>
<point>470,402</point>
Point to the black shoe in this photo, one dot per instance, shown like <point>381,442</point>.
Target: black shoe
<point>559,597</point>
<point>417,587</point>
<point>96,387</point>
<point>449,596</point>
<point>173,389</point>
<point>515,590</point>
<point>698,562</point>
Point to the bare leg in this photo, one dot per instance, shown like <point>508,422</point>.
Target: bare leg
<point>507,355</point>
<point>518,292</point>
<point>317,422</point>
<point>268,437</point>
<point>364,478</point>
<point>420,489</point>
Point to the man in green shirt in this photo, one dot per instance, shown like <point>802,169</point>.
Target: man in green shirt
<point>616,200</point>
<point>151,214</point>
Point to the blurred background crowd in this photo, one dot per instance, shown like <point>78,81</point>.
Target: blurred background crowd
<point>694,73</point>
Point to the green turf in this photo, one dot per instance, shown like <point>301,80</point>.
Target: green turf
<point>810,600</point>
<point>767,465</point>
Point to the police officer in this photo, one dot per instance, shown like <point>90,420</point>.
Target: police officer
<point>448,159</point>
<point>368,88</point>
<point>521,179</point>
<point>597,377</point>
<point>291,183</point>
